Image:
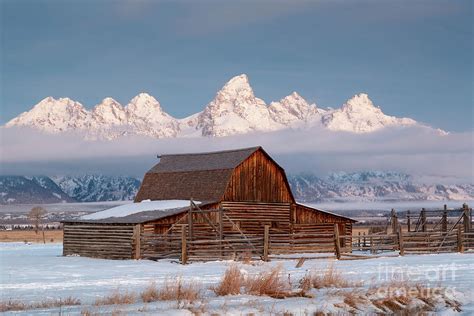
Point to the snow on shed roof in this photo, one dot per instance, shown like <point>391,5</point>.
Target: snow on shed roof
<point>133,208</point>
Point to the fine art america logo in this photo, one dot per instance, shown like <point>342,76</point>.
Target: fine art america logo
<point>416,282</point>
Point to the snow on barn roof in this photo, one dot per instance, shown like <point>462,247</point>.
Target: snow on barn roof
<point>138,212</point>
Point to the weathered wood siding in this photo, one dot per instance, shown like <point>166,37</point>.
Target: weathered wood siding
<point>252,217</point>
<point>108,241</point>
<point>258,179</point>
<point>307,216</point>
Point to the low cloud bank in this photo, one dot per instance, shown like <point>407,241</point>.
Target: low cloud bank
<point>414,150</point>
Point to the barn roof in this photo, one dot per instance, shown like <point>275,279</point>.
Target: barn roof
<point>217,160</point>
<point>201,176</point>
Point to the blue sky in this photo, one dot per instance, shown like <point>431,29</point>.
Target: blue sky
<point>414,58</point>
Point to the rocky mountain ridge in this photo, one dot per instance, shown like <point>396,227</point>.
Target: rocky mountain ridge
<point>367,186</point>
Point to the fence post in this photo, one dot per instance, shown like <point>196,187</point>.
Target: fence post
<point>408,221</point>
<point>136,236</point>
<point>466,217</point>
<point>190,219</point>
<point>336,242</point>
<point>444,226</point>
<point>400,241</point>
<point>423,220</point>
<point>221,230</point>
<point>266,241</point>
<point>460,245</point>
<point>358,242</point>
<point>184,254</point>
<point>394,222</point>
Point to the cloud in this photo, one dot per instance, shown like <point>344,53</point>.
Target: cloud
<point>415,150</point>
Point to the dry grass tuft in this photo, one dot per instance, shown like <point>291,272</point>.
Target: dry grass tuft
<point>68,301</point>
<point>116,298</point>
<point>47,303</point>
<point>179,291</point>
<point>331,278</point>
<point>12,306</point>
<point>150,294</point>
<point>354,299</point>
<point>231,282</point>
<point>87,312</point>
<point>268,283</point>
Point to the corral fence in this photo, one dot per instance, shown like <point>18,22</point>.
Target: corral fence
<point>209,242</point>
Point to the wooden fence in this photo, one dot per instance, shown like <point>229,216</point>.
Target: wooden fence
<point>205,241</point>
<point>274,245</point>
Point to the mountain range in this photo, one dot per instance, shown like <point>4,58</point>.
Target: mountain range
<point>336,187</point>
<point>234,110</point>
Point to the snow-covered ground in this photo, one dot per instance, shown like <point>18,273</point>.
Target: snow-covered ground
<point>36,272</point>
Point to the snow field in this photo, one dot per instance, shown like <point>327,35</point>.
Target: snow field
<point>32,273</point>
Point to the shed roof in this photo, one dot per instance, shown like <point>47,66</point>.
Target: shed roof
<point>134,208</point>
<point>327,212</point>
<point>137,213</point>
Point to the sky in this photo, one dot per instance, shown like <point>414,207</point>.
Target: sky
<point>413,58</point>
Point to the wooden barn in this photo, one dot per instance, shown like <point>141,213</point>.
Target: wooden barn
<point>208,206</point>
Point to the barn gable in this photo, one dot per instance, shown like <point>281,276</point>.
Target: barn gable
<point>259,179</point>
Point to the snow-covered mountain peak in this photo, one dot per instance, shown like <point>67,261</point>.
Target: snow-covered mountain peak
<point>238,85</point>
<point>109,101</point>
<point>293,99</point>
<point>360,115</point>
<point>293,108</point>
<point>146,107</point>
<point>144,101</point>
<point>109,112</point>
<point>236,110</point>
<point>52,114</point>
<point>146,117</point>
<point>360,102</point>
<point>52,104</point>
